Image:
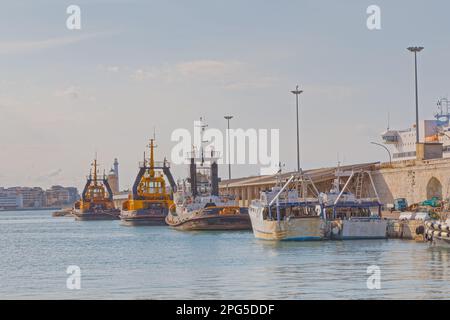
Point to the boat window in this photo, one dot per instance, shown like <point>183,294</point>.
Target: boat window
<point>265,214</point>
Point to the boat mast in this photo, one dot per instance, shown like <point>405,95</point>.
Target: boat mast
<point>95,171</point>
<point>152,160</point>
<point>202,149</point>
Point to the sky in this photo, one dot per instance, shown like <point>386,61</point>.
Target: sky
<point>136,67</point>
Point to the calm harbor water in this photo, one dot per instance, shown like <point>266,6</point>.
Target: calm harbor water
<point>120,262</point>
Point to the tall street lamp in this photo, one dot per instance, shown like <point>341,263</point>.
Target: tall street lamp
<point>297,92</point>
<point>228,118</point>
<point>415,50</point>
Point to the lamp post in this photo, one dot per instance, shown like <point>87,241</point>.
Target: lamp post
<point>384,147</point>
<point>297,92</point>
<point>228,118</point>
<point>415,50</point>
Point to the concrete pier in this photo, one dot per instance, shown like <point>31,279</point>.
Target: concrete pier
<point>415,180</point>
<point>406,229</point>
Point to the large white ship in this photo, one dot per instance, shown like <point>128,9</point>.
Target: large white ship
<point>403,142</point>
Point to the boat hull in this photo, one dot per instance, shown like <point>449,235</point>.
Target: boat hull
<point>143,218</point>
<point>212,223</point>
<point>62,213</point>
<point>358,229</point>
<point>441,242</point>
<point>293,229</point>
<point>97,215</point>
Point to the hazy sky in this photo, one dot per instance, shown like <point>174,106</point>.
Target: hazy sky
<point>136,65</point>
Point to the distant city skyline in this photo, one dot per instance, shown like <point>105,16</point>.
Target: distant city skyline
<point>136,66</point>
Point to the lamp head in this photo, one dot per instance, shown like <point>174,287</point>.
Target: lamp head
<point>296,91</point>
<point>415,49</point>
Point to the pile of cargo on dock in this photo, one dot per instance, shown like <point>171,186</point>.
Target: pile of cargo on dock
<point>409,221</point>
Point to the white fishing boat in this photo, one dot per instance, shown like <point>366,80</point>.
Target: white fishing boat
<point>351,215</point>
<point>296,210</point>
<point>286,213</point>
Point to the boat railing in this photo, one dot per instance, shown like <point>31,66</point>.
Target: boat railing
<point>207,156</point>
<point>158,164</point>
<point>311,203</point>
<point>370,218</point>
<point>359,203</point>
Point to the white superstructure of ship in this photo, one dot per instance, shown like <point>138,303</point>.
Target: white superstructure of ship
<point>403,142</point>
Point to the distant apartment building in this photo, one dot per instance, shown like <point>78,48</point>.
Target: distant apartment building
<point>59,195</point>
<point>10,199</point>
<point>36,197</point>
<point>32,197</point>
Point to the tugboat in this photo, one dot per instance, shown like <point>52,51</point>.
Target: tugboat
<point>285,212</point>
<point>350,216</point>
<point>149,202</point>
<point>96,200</point>
<point>198,204</point>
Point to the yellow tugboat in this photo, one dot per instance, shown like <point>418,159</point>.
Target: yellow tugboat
<point>96,200</point>
<point>150,200</point>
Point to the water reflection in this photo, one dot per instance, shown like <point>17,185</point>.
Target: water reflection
<point>161,263</point>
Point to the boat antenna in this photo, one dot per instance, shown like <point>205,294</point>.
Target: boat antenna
<point>202,151</point>
<point>280,166</point>
<point>388,120</point>
<point>439,104</point>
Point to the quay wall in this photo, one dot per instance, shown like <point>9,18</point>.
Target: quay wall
<point>397,229</point>
<point>415,180</point>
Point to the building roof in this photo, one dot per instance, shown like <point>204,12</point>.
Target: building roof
<point>317,175</point>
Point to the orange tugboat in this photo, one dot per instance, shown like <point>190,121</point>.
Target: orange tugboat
<point>96,200</point>
<point>150,200</point>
